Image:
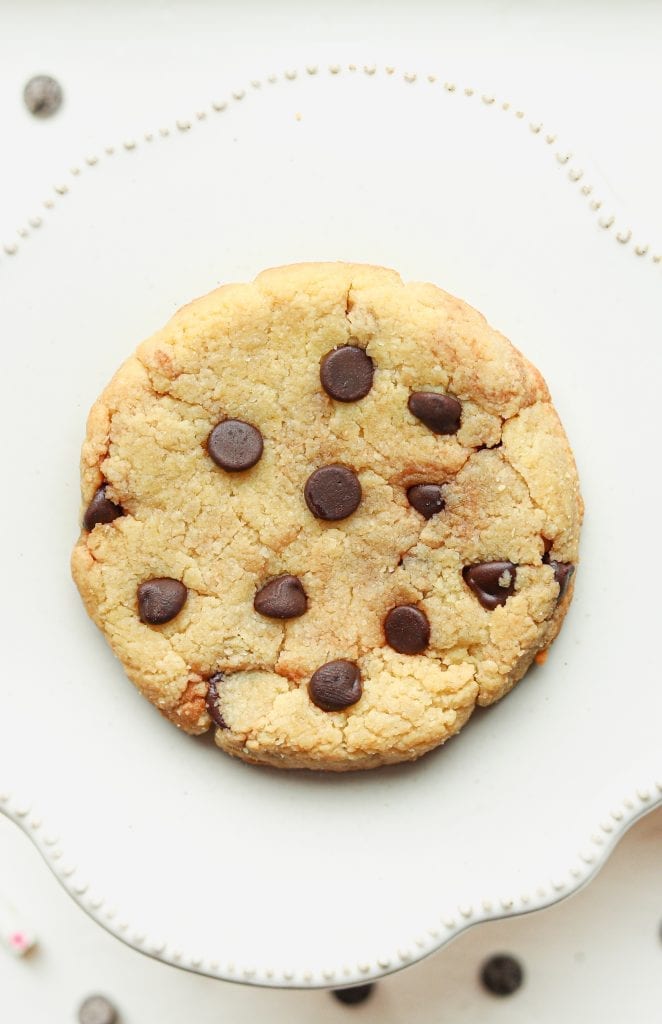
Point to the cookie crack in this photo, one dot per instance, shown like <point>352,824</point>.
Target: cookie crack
<point>349,304</point>
<point>521,476</point>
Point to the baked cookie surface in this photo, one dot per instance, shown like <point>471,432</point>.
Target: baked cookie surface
<point>327,514</point>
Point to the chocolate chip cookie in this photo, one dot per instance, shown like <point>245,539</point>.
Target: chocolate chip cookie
<point>327,514</point>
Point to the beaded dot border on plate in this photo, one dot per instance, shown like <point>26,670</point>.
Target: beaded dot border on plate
<point>446,926</point>
<point>575,173</point>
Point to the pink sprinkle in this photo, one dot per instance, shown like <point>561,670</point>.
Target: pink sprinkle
<point>19,940</point>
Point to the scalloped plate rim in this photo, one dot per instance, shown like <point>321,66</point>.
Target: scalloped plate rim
<point>637,806</point>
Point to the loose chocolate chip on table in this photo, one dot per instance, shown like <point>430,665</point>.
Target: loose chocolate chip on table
<point>281,598</point>
<point>97,1010</point>
<point>211,700</point>
<point>353,996</point>
<point>101,510</point>
<point>407,629</point>
<point>160,599</point>
<point>346,373</point>
<point>332,492</point>
<point>440,413</point>
<point>336,685</point>
<point>502,975</point>
<point>42,96</point>
<point>235,445</point>
<point>426,499</point>
<point>492,582</point>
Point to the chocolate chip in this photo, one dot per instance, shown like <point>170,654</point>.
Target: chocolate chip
<point>159,600</point>
<point>426,499</point>
<point>502,975</point>
<point>407,629</point>
<point>101,510</point>
<point>491,582</point>
<point>562,574</point>
<point>346,373</point>
<point>332,492</point>
<point>440,413</point>
<point>42,96</point>
<point>97,1010</point>
<point>353,996</point>
<point>281,598</point>
<point>235,445</point>
<point>212,702</point>
<point>336,685</point>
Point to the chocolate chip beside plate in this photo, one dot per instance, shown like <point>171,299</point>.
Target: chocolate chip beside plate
<point>281,598</point>
<point>332,492</point>
<point>235,445</point>
<point>42,96</point>
<point>346,373</point>
<point>101,510</point>
<point>97,1010</point>
<point>407,629</point>
<point>440,413</point>
<point>426,499</point>
<point>353,996</point>
<point>160,599</point>
<point>336,685</point>
<point>492,582</point>
<point>502,975</point>
<point>211,700</point>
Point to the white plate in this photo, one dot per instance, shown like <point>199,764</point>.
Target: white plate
<point>305,879</point>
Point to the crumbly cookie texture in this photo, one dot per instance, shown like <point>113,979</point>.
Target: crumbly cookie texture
<point>417,576</point>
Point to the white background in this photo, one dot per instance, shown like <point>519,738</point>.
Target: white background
<point>589,70</point>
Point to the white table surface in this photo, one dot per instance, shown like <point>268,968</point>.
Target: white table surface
<point>590,70</point>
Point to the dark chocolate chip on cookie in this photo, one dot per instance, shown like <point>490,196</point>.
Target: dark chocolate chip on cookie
<point>492,582</point>
<point>336,685</point>
<point>407,629</point>
<point>101,510</point>
<point>281,598</point>
<point>235,445</point>
<point>346,373</point>
<point>332,492</point>
<point>160,599</point>
<point>426,499</point>
<point>441,413</point>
